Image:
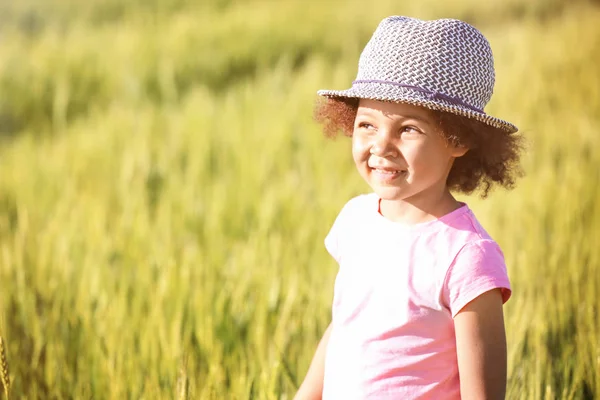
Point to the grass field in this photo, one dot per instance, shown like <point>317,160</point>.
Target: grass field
<point>164,191</point>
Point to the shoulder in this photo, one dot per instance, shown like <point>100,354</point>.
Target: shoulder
<point>473,242</point>
<point>479,252</point>
<point>358,206</point>
<point>478,267</point>
<point>465,227</point>
<point>470,245</point>
<point>353,214</point>
<point>362,201</point>
<point>470,261</point>
<point>454,235</point>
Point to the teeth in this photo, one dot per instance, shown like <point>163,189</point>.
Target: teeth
<point>385,171</point>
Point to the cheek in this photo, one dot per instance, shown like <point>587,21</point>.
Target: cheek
<point>419,154</point>
<point>430,159</point>
<point>360,148</point>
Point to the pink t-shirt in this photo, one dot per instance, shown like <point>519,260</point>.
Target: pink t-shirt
<point>396,293</point>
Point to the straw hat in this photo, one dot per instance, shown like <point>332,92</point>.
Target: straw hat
<point>443,64</point>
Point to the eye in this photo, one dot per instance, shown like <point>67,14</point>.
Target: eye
<point>411,130</point>
<point>365,128</point>
<point>365,125</point>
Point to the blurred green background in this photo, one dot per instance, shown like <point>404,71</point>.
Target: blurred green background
<point>164,191</point>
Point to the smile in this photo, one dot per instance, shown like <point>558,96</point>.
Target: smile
<point>385,171</point>
<point>387,175</point>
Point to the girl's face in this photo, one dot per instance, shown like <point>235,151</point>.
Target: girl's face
<point>399,151</point>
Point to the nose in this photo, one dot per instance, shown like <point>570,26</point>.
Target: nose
<point>383,145</point>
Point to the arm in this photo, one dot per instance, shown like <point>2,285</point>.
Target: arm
<point>312,387</point>
<point>481,347</point>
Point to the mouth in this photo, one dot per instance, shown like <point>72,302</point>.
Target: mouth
<point>387,174</point>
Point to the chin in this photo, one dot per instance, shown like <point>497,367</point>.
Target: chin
<point>390,194</point>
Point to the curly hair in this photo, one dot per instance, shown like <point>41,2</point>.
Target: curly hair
<point>492,159</point>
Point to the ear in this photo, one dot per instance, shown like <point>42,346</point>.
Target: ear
<point>458,151</point>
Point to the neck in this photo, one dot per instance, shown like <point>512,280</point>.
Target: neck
<point>418,209</point>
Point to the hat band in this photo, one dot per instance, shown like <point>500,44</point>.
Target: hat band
<point>431,94</point>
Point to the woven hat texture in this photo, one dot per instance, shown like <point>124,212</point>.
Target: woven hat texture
<point>443,64</point>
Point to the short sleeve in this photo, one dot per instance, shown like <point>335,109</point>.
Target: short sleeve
<point>477,268</point>
<point>334,239</point>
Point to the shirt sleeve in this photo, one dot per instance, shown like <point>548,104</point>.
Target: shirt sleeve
<point>334,239</point>
<point>477,268</point>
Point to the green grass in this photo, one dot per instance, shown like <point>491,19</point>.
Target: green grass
<point>164,192</point>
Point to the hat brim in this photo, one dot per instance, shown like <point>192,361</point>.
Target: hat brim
<point>399,94</point>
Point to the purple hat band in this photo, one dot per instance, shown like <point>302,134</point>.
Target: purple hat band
<point>431,94</point>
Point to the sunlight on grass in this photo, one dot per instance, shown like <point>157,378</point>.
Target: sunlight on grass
<point>165,193</point>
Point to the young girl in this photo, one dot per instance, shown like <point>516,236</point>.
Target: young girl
<point>417,308</point>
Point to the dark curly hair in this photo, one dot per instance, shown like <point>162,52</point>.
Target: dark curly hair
<point>493,156</point>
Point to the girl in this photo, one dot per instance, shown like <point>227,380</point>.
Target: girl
<point>417,308</point>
